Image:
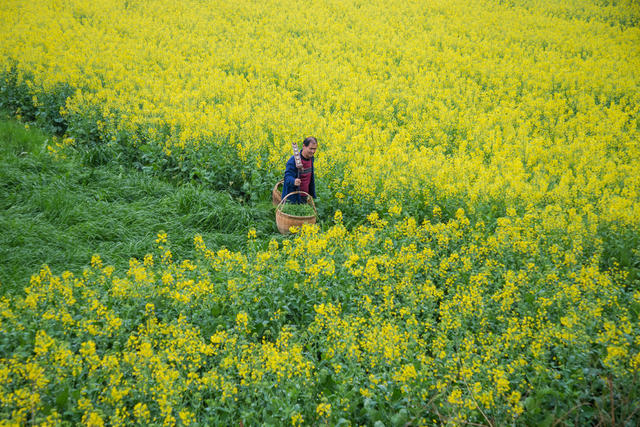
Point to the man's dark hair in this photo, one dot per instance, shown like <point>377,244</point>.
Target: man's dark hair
<point>308,140</point>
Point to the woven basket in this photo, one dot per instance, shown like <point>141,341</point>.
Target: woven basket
<point>276,193</point>
<point>284,221</point>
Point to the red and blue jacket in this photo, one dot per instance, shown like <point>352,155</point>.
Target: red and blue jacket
<point>290,175</point>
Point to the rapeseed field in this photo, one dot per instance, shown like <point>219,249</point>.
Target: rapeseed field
<point>478,159</point>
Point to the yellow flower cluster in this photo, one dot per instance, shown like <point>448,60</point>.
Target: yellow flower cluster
<point>468,102</point>
<point>431,318</point>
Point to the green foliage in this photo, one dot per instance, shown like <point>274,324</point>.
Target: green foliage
<point>297,209</point>
<point>59,212</point>
<point>621,250</point>
<point>17,98</point>
<point>402,324</point>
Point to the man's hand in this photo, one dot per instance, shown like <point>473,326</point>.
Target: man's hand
<point>296,182</point>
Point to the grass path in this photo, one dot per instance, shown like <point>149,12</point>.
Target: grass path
<point>60,212</point>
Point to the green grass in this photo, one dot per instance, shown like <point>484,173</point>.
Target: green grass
<point>61,212</point>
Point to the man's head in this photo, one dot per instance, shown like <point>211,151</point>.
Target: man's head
<point>309,147</point>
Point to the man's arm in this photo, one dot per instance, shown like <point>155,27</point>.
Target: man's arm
<point>290,173</point>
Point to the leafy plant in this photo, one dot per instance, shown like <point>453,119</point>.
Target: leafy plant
<point>297,209</point>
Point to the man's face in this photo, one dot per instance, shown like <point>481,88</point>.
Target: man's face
<point>309,150</point>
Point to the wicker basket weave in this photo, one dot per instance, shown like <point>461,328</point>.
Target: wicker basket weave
<point>285,221</point>
<point>276,193</point>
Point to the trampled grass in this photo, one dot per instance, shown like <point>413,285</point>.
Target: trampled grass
<point>60,212</point>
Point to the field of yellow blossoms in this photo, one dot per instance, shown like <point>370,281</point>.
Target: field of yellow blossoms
<point>479,160</point>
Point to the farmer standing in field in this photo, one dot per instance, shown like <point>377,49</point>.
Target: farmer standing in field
<point>301,179</point>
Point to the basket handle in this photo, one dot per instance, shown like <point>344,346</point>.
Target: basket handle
<point>278,183</point>
<point>313,204</point>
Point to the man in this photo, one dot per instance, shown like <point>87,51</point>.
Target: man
<point>301,180</point>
